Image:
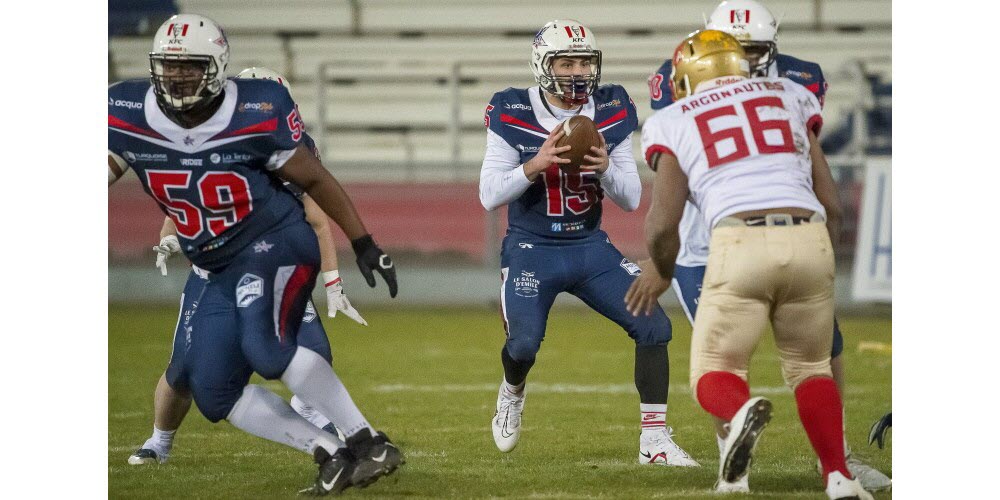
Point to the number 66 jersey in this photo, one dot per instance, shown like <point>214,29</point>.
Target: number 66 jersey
<point>216,180</point>
<point>743,146</point>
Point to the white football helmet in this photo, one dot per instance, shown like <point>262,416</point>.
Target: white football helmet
<point>753,25</point>
<point>199,43</point>
<point>565,38</point>
<point>262,73</point>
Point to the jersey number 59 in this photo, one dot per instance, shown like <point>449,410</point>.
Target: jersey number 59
<point>224,197</point>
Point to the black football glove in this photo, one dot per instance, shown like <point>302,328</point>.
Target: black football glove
<point>879,428</point>
<point>370,256</point>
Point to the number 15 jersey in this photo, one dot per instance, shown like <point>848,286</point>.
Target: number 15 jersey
<point>743,146</point>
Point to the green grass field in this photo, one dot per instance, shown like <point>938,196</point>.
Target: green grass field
<point>429,379</point>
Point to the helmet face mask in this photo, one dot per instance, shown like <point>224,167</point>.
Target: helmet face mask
<point>573,88</point>
<point>187,66</point>
<point>759,55</point>
<point>562,40</point>
<point>182,82</point>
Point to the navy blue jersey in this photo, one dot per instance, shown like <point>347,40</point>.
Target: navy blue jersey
<point>805,73</point>
<point>216,181</point>
<point>558,204</point>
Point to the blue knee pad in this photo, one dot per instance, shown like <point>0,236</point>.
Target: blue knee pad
<point>216,403</point>
<point>654,329</point>
<point>523,348</point>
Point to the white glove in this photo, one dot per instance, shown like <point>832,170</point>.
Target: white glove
<point>167,247</point>
<point>336,300</point>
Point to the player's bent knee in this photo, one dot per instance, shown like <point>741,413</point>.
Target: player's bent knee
<point>796,372</point>
<point>215,404</point>
<point>523,350</point>
<point>652,330</point>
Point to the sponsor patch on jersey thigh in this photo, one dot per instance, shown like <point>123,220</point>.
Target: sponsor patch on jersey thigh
<point>526,285</point>
<point>249,289</point>
<point>631,268</point>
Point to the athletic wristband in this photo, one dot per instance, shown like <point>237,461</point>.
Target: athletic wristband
<point>362,244</point>
<point>331,278</point>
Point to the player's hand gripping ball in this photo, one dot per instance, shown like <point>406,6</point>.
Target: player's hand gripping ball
<point>580,134</point>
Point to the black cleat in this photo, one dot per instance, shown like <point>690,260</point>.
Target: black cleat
<point>376,456</point>
<point>334,472</point>
<point>145,456</point>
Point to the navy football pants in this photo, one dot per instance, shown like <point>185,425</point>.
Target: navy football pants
<point>535,270</point>
<point>687,286</point>
<point>246,319</point>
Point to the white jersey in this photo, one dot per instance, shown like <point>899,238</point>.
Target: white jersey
<point>743,146</point>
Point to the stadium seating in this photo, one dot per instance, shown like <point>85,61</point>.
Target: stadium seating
<point>387,64</point>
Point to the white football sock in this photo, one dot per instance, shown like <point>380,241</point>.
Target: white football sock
<point>653,417</point>
<point>262,413</point>
<point>160,442</point>
<point>308,412</point>
<point>721,441</point>
<point>312,380</point>
<point>513,390</point>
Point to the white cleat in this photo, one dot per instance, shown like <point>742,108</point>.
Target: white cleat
<point>871,478</point>
<point>741,485</point>
<point>507,420</point>
<point>839,487</point>
<point>658,447</point>
<point>744,430</point>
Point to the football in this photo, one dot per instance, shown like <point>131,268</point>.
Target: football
<point>579,133</point>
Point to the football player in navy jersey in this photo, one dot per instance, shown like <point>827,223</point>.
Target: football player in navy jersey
<point>753,25</point>
<point>554,242</point>
<point>171,406</point>
<point>213,152</point>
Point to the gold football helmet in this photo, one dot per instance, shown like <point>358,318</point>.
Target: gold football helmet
<point>706,56</point>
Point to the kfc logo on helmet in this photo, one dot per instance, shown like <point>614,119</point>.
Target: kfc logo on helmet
<point>177,30</point>
<point>741,16</point>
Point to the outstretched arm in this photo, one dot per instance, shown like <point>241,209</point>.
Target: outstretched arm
<point>305,171</point>
<point>670,191</point>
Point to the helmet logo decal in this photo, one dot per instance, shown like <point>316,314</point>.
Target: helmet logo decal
<point>177,30</point>
<point>739,16</point>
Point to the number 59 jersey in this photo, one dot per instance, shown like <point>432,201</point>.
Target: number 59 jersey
<point>743,146</point>
<point>215,181</point>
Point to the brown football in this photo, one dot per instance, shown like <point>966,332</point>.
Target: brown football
<point>579,133</point>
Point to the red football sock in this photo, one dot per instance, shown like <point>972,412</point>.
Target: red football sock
<point>822,415</point>
<point>722,394</point>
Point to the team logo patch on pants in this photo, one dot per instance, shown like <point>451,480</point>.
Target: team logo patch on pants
<point>631,268</point>
<point>526,285</point>
<point>249,289</point>
<point>310,315</point>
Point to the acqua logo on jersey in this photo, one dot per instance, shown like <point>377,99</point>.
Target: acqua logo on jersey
<point>119,103</point>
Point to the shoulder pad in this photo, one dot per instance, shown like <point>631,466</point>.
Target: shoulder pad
<point>612,105</point>
<point>513,103</point>
<point>127,96</point>
<point>799,71</point>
